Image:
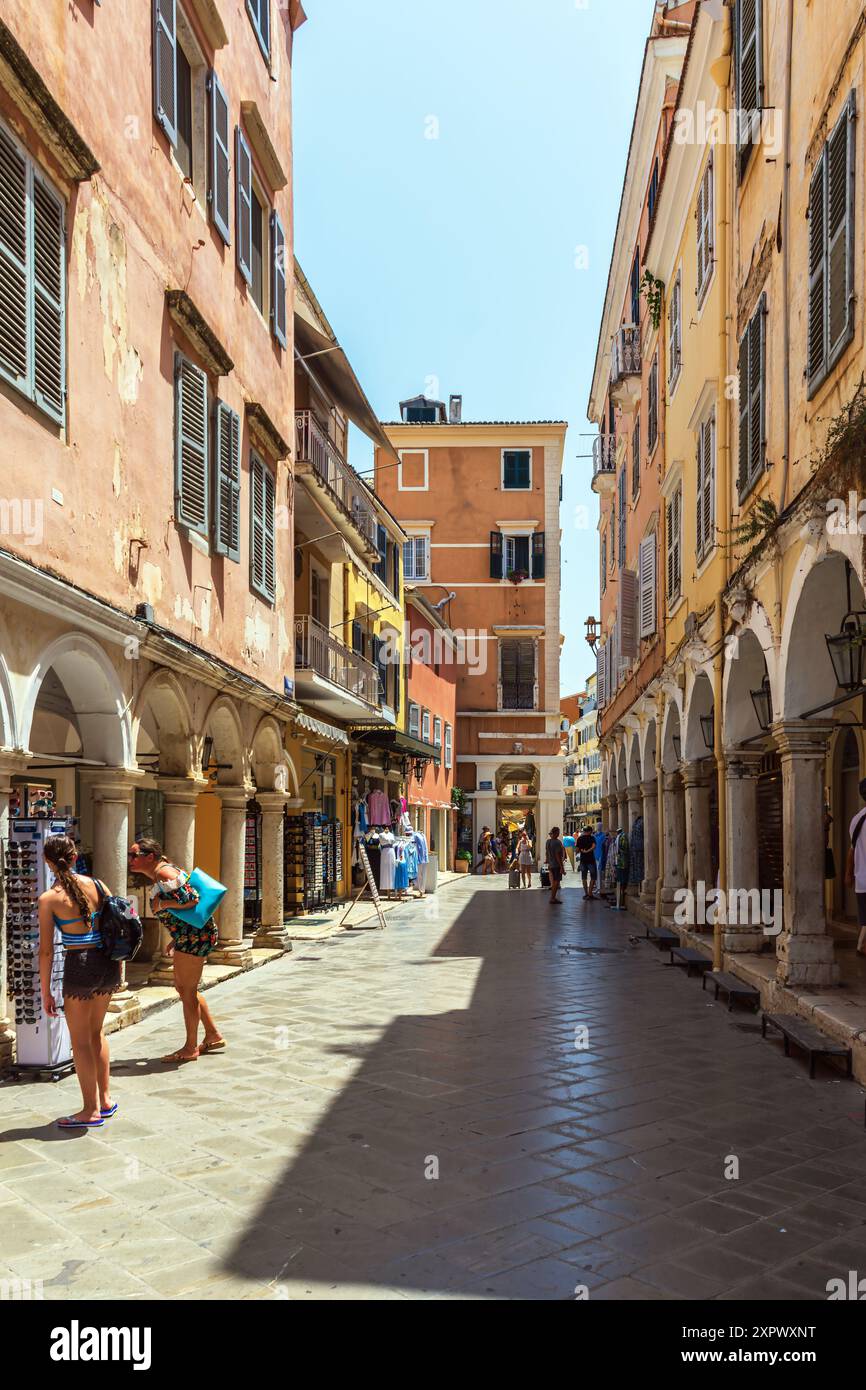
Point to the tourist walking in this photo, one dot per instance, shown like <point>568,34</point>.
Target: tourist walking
<point>585,845</point>
<point>524,858</point>
<point>486,853</point>
<point>171,896</point>
<point>856,872</point>
<point>89,977</point>
<point>554,853</point>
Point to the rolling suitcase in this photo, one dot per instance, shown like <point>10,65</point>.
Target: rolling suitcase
<point>545,878</point>
<point>513,878</point>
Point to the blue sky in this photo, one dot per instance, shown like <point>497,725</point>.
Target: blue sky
<point>451,262</point>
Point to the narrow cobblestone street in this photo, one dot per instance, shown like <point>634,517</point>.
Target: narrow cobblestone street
<point>301,1162</point>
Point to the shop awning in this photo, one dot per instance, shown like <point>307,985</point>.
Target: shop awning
<point>395,741</point>
<point>319,729</point>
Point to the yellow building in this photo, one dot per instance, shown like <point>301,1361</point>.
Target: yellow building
<point>583,765</point>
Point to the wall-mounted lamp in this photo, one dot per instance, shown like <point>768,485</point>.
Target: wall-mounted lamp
<point>592,633</point>
<point>848,647</point>
<point>708,730</point>
<point>763,701</point>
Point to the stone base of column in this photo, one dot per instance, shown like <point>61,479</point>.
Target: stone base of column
<point>742,939</point>
<point>237,954</point>
<point>272,939</point>
<point>7,1043</point>
<point>806,960</point>
<point>126,1006</point>
<point>648,891</point>
<point>162,972</point>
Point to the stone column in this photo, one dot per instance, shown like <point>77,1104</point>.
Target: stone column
<point>696,784</point>
<point>232,949</point>
<point>272,934</point>
<point>649,790</point>
<point>8,770</point>
<point>742,766</point>
<point>675,838</point>
<point>635,805</point>
<point>112,792</point>
<point>180,798</point>
<point>622,811</point>
<point>804,950</point>
<point>609,813</point>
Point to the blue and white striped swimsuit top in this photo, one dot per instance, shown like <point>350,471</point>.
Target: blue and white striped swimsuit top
<point>72,938</point>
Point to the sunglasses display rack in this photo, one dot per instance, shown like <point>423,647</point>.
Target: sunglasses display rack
<point>42,1043</point>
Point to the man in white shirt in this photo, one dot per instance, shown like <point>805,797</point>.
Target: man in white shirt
<point>858,841</point>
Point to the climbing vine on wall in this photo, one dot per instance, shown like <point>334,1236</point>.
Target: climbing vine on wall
<point>653,292</point>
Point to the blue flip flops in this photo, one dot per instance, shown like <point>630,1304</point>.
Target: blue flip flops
<point>107,1114</point>
<point>67,1122</point>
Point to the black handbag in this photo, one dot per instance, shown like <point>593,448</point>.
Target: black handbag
<point>119,925</point>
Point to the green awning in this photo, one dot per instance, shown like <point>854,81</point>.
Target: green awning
<point>396,741</point>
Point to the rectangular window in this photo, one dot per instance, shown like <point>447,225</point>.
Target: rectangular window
<point>705,219</point>
<point>278,280</point>
<point>437,732</point>
<point>32,281</point>
<point>380,569</point>
<point>243,205</point>
<point>653,191</point>
<point>653,406</point>
<point>647,586</point>
<point>262,529</point>
<point>260,18</point>
<point>604,562</point>
<point>635,289</point>
<point>415,554</point>
<point>831,250</point>
<point>183,147</point>
<point>257,282</point>
<point>675,336</point>
<point>749,68</point>
<point>219,187</point>
<point>449,736</point>
<point>674,515</point>
<point>635,459</point>
<point>517,673</point>
<point>227,483</point>
<point>706,490</point>
<point>517,469</point>
<point>191,468</point>
<point>415,721</point>
<point>753,354</point>
<point>517,555</point>
<point>425,726</point>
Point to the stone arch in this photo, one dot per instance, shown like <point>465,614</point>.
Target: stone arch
<point>700,702</point>
<point>223,724</point>
<point>95,693</point>
<point>817,603</point>
<point>162,713</point>
<point>751,656</point>
<point>634,761</point>
<point>648,750</point>
<point>621,768</point>
<point>8,719</point>
<point>271,763</point>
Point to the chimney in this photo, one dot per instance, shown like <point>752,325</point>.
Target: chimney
<point>455,409</point>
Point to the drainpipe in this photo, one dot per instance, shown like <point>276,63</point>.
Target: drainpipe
<point>721,73</point>
<point>786,259</point>
<point>660,807</point>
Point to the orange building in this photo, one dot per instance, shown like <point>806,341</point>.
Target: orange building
<point>431,664</point>
<point>479,501</point>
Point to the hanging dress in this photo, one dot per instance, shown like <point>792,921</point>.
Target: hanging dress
<point>387,862</point>
<point>401,869</point>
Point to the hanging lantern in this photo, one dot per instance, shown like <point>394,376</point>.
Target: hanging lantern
<point>708,730</point>
<point>678,747</point>
<point>592,634</point>
<point>848,651</point>
<point>763,701</point>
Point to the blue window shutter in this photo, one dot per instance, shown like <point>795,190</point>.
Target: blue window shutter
<point>49,301</point>
<point>14,265</point>
<point>191,446</point>
<point>538,555</point>
<point>244,205</point>
<point>278,280</point>
<point>164,66</point>
<point>219,191</point>
<point>227,483</point>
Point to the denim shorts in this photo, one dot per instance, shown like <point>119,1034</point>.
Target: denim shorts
<point>88,972</point>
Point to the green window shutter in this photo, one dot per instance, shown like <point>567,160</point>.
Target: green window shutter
<point>278,280</point>
<point>49,301</point>
<point>699,491</point>
<point>14,265</point>
<point>164,66</point>
<point>227,483</point>
<point>840,233</point>
<point>495,554</point>
<point>191,446</point>
<point>750,74</point>
<point>817,349</point>
<point>244,205</point>
<point>219,192</point>
<point>757,356</point>
<point>538,555</point>
<point>262,529</point>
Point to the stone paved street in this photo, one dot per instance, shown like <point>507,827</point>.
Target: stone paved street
<point>296,1164</point>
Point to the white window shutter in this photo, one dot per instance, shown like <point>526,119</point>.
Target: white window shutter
<point>600,664</point>
<point>647,585</point>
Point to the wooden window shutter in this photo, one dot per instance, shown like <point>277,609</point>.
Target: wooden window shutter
<point>647,585</point>
<point>817,349</point>
<point>600,659</point>
<point>538,555</point>
<point>49,301</point>
<point>653,405</point>
<point>678,539</point>
<point>709,486</point>
<point>743,470</point>
<point>278,280</point>
<point>244,205</point>
<point>670,524</point>
<point>191,446</point>
<point>495,554</point>
<point>628,615</point>
<point>227,483</point>
<point>358,637</point>
<point>262,528</point>
<point>840,233</point>
<point>603,563</point>
<point>757,357</point>
<point>700,238</point>
<point>750,73</point>
<point>164,66</point>
<point>699,493</point>
<point>219,192</point>
<point>623,517</point>
<point>14,265</point>
<point>635,458</point>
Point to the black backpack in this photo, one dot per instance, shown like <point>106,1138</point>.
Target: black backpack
<point>119,924</point>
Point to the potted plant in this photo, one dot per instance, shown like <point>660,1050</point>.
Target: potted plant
<point>462,861</point>
<point>517,576</point>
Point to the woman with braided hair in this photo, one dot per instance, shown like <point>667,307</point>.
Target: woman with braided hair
<point>89,977</point>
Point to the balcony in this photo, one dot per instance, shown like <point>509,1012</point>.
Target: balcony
<point>337,490</point>
<point>330,677</point>
<point>517,695</point>
<point>626,365</point>
<point>604,463</point>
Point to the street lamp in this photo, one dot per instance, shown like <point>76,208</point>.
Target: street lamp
<point>708,730</point>
<point>848,646</point>
<point>592,633</point>
<point>678,747</point>
<point>763,701</point>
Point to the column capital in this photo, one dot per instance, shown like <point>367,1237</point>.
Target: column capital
<point>802,738</point>
<point>742,762</point>
<point>275,802</point>
<point>12,764</point>
<point>672,781</point>
<point>696,774</point>
<point>650,789</point>
<point>234,798</point>
<point>112,783</point>
<point>180,791</point>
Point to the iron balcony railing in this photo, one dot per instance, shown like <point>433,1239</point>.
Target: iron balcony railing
<point>604,455</point>
<point>315,448</point>
<point>317,649</point>
<point>625,354</point>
